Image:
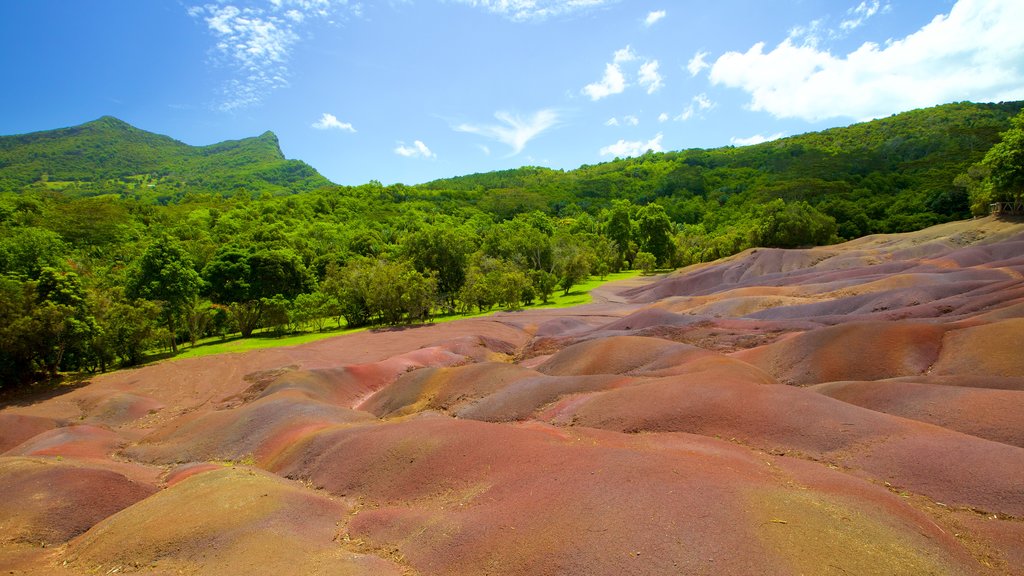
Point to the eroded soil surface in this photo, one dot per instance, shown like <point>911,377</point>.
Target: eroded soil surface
<point>852,409</point>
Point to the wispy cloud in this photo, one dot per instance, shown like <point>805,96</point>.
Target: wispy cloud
<point>256,40</point>
<point>330,121</point>
<point>525,10</point>
<point>624,148</point>
<point>514,130</point>
<point>663,117</point>
<point>859,14</point>
<point>653,17</point>
<point>649,76</point>
<point>755,139</point>
<point>697,63</point>
<point>698,103</point>
<point>975,52</point>
<point>628,120</point>
<point>417,150</point>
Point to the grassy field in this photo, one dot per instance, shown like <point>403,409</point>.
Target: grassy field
<point>579,295</point>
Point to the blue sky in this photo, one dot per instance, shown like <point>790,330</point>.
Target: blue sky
<point>413,90</point>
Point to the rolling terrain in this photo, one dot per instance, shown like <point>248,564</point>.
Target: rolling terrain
<point>849,409</point>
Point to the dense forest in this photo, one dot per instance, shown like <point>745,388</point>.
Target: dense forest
<point>115,241</point>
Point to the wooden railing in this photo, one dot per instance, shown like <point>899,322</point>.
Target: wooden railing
<point>1015,208</point>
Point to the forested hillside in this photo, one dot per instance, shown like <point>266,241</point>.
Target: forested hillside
<point>114,241</point>
<point>110,156</point>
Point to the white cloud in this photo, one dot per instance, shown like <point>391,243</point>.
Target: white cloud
<point>697,63</point>
<point>624,148</point>
<point>863,11</point>
<point>515,131</point>
<point>624,55</point>
<point>417,150</point>
<point>628,120</point>
<point>755,139</point>
<point>650,77</point>
<point>976,52</point>
<point>329,121</point>
<point>663,117</point>
<point>653,17</point>
<point>257,43</point>
<point>698,103</point>
<point>613,81</point>
<point>524,10</point>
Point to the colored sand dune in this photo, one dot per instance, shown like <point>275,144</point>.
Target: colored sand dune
<point>853,409</point>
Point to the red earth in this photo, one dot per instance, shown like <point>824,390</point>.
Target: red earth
<point>852,409</point>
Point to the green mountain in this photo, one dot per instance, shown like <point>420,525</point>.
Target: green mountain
<point>892,174</point>
<point>111,156</point>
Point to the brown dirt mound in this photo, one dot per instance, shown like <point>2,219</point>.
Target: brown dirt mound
<point>991,414</point>
<point>80,441</point>
<point>854,351</point>
<point>229,521</point>
<point>17,428</point>
<point>48,501</point>
<point>995,349</point>
<point>444,389</point>
<point>951,467</point>
<point>619,355</point>
<point>117,408</point>
<point>457,497</point>
<point>257,430</point>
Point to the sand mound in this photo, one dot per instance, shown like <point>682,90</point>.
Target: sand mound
<point>982,474</point>
<point>457,497</point>
<point>233,521</point>
<point>17,428</point>
<point>257,430</point>
<point>81,441</point>
<point>117,409</point>
<point>444,389</point>
<point>619,355</point>
<point>854,351</point>
<point>995,349</point>
<point>48,501</point>
<point>991,414</point>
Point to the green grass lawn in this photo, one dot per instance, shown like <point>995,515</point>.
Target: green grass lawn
<point>580,294</point>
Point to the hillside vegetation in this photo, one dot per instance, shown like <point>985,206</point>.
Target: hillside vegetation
<point>111,156</point>
<point>114,241</point>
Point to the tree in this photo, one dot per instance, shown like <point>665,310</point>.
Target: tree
<point>165,274</point>
<point>312,309</point>
<point>646,262</point>
<point>619,229</point>
<point>247,280</point>
<point>544,284</point>
<point>349,287</point>
<point>63,324</point>
<point>25,251</point>
<point>782,225</point>
<point>655,232</point>
<point>444,250</point>
<point>126,327</point>
<point>1005,162</point>
<point>198,314</point>
<point>17,302</point>
<point>572,262</point>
